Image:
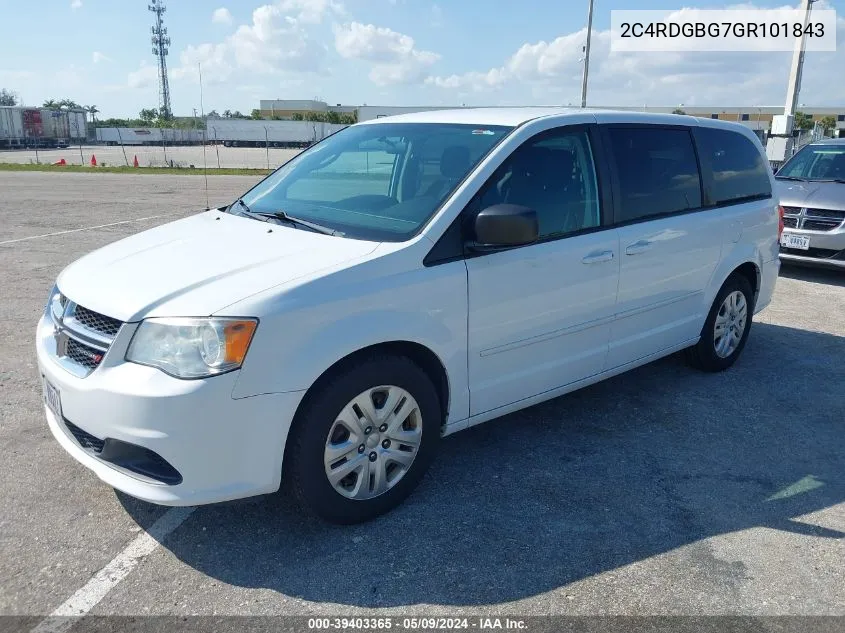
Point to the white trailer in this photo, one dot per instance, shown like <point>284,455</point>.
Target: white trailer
<point>78,126</point>
<point>260,133</point>
<point>11,128</point>
<point>39,127</point>
<point>148,136</point>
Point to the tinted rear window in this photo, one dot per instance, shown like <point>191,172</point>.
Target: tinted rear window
<point>739,171</point>
<point>658,172</point>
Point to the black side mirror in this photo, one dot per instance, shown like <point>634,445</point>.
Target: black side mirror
<point>505,225</point>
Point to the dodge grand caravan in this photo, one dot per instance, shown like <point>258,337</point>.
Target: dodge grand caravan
<point>399,281</point>
<point>811,188</point>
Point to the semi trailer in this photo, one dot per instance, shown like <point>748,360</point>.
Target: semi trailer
<point>261,133</point>
<point>23,127</point>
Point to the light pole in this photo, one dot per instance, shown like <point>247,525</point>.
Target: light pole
<point>587,55</point>
<point>797,68</point>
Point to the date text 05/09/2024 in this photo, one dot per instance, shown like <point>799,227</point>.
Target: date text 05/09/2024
<point>416,624</point>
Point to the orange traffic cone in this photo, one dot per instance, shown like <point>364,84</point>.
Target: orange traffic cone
<point>135,162</point>
<point>93,160</point>
<point>60,162</point>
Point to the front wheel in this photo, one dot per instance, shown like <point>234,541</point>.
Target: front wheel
<point>727,327</point>
<point>364,439</point>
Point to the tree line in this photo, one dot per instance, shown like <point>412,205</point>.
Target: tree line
<point>802,121</point>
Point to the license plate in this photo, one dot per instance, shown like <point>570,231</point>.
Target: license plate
<point>53,399</point>
<point>800,242</point>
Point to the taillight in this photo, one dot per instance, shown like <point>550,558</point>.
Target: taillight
<point>780,222</point>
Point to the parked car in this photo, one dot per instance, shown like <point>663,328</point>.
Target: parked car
<point>404,279</point>
<point>811,186</point>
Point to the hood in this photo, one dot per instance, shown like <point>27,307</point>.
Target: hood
<point>818,195</point>
<point>199,265</point>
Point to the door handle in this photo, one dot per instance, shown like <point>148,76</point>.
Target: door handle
<point>595,258</point>
<point>638,247</point>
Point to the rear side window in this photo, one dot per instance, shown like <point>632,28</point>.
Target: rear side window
<point>658,171</point>
<point>739,172</point>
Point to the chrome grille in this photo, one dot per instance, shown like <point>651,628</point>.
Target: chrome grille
<point>96,322</point>
<point>826,213</point>
<point>820,225</point>
<point>81,336</point>
<point>83,354</point>
<point>812,219</point>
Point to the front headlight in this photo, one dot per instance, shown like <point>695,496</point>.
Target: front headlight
<point>192,348</point>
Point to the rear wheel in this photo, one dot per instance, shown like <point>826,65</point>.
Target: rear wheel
<point>364,439</point>
<point>727,327</point>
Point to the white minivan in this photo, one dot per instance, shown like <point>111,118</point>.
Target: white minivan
<point>401,280</point>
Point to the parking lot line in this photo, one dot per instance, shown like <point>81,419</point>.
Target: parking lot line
<point>81,602</point>
<point>86,228</point>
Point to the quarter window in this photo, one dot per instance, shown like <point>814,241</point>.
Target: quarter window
<point>736,164</point>
<point>658,172</point>
<point>554,175</point>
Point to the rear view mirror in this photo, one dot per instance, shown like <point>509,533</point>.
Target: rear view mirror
<point>504,225</point>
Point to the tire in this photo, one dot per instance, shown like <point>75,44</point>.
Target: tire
<point>705,355</point>
<point>324,422</point>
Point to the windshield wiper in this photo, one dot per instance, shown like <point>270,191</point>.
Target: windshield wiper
<point>828,180</point>
<point>284,217</point>
<point>790,178</point>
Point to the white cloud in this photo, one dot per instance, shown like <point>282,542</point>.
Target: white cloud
<point>275,41</point>
<point>311,11</point>
<point>394,58</point>
<point>76,4</point>
<point>550,72</point>
<point>436,16</point>
<point>222,16</point>
<point>98,57</point>
<point>144,77</point>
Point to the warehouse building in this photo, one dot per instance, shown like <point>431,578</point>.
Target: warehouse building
<point>286,108</point>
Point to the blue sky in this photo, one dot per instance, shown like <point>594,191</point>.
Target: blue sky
<point>388,52</point>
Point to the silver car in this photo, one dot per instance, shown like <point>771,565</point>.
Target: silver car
<point>811,186</point>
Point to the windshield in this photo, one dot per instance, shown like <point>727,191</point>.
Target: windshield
<point>378,182</point>
<point>816,162</point>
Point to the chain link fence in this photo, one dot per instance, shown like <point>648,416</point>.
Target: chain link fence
<point>181,156</point>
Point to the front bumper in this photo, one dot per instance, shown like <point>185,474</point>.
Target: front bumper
<point>827,249</point>
<point>823,260</point>
<point>222,447</point>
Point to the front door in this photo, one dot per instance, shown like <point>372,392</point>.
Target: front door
<point>539,315</point>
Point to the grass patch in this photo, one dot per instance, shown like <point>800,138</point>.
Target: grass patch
<point>179,171</point>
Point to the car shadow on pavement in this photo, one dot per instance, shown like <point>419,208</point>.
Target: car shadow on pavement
<point>813,275</point>
<point>639,465</point>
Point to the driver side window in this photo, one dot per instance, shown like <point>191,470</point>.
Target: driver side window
<point>553,174</point>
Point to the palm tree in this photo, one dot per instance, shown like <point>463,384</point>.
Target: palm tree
<point>93,111</point>
<point>803,121</point>
<point>51,104</point>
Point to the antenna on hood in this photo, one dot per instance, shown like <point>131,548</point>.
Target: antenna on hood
<point>204,140</point>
